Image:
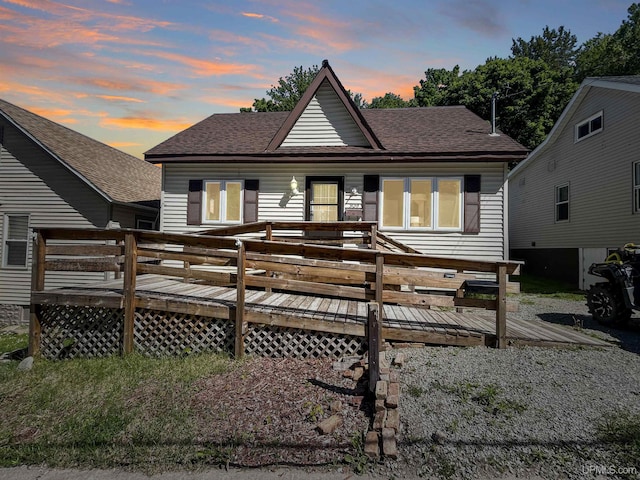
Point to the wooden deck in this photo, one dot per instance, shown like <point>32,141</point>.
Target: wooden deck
<point>400,323</point>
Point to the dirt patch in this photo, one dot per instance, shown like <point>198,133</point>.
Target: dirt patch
<point>266,412</point>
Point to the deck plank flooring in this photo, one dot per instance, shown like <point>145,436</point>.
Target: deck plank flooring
<point>447,327</point>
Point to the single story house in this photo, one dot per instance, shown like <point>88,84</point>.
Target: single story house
<point>433,178</point>
<point>577,196</point>
<point>52,176</point>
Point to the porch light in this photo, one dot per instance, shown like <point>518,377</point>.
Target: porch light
<point>294,186</point>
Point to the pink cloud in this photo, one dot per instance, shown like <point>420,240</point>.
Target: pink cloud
<point>259,16</point>
<point>146,123</point>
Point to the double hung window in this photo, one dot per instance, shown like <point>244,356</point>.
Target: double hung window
<point>636,187</point>
<point>562,203</point>
<point>424,203</point>
<point>222,202</point>
<point>16,241</point>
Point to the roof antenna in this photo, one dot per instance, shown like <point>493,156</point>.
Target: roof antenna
<point>494,98</point>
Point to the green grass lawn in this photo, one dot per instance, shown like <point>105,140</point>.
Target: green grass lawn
<point>544,286</point>
<point>131,412</point>
<point>12,341</point>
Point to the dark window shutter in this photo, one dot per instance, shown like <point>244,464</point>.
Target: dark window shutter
<point>194,203</point>
<point>251,189</point>
<point>370,198</point>
<point>472,203</point>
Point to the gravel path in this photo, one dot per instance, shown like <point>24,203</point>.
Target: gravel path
<point>525,412</point>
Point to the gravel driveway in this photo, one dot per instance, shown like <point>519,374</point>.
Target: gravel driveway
<point>525,412</point>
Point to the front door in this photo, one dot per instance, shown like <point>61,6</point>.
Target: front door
<point>324,199</point>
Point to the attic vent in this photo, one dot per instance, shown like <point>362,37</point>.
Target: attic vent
<point>325,122</point>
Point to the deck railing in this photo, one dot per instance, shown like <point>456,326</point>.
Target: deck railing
<point>365,274</point>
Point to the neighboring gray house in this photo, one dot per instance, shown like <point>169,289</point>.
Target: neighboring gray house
<point>51,176</point>
<point>433,178</point>
<point>577,195</point>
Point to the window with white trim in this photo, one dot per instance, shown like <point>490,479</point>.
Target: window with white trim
<point>222,202</point>
<point>636,187</point>
<point>16,240</point>
<point>589,127</point>
<point>562,203</point>
<point>422,203</point>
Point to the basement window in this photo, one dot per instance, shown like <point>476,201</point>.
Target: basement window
<point>589,127</point>
<point>16,241</point>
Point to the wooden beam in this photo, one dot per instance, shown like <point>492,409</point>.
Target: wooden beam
<point>324,289</point>
<point>38,256</point>
<point>214,278</point>
<point>374,341</point>
<point>83,265</point>
<point>291,320</point>
<point>77,299</point>
<point>84,249</point>
<point>501,306</point>
<point>418,336</point>
<point>241,326</point>
<point>130,264</point>
<point>380,283</point>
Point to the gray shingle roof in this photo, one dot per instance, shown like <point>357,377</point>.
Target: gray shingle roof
<point>120,176</point>
<point>404,131</point>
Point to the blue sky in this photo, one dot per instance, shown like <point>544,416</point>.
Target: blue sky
<point>132,73</point>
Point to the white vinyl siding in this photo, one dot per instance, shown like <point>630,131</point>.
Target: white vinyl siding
<point>275,203</point>
<point>601,213</point>
<point>23,192</point>
<point>325,122</point>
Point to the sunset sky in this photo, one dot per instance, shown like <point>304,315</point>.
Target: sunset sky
<point>132,73</point>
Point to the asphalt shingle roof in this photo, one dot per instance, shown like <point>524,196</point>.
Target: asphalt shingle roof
<point>122,177</point>
<point>402,131</point>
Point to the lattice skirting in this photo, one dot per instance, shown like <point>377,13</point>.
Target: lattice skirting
<point>270,341</point>
<point>160,333</point>
<point>69,332</point>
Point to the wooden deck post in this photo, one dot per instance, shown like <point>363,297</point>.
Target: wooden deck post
<point>373,338</point>
<point>380,283</point>
<point>239,310</point>
<point>373,241</point>
<point>501,306</point>
<point>129,290</point>
<point>38,257</point>
<point>268,236</point>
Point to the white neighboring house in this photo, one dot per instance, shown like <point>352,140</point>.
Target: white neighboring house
<point>433,178</point>
<point>51,176</point>
<point>577,195</point>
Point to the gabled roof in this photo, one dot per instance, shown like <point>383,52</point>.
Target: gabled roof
<point>117,176</point>
<point>628,83</point>
<point>326,74</point>
<point>401,134</point>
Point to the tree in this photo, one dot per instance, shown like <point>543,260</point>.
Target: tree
<point>612,54</point>
<point>287,93</point>
<point>284,96</point>
<point>433,90</point>
<point>531,95</point>
<point>555,47</point>
<point>390,100</point>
